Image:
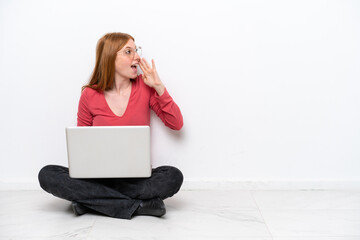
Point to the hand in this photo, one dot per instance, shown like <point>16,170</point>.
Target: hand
<point>151,77</point>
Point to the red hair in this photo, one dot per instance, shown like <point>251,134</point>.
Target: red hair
<point>103,76</point>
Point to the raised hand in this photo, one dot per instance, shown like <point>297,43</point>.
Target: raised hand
<point>151,77</point>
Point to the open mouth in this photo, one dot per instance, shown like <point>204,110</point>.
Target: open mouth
<point>134,67</point>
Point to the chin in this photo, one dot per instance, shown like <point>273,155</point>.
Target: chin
<point>133,77</point>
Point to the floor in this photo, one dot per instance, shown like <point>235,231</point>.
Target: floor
<point>203,215</point>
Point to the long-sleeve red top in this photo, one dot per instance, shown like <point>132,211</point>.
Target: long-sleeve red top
<point>94,111</point>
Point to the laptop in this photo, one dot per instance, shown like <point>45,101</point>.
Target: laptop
<point>109,152</point>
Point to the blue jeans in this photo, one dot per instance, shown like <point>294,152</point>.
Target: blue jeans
<point>114,197</point>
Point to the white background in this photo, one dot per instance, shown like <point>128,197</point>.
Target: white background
<point>269,90</point>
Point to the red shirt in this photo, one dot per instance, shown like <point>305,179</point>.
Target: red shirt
<point>94,111</point>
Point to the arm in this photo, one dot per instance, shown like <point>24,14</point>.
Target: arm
<point>160,100</point>
<point>167,110</point>
<point>84,117</point>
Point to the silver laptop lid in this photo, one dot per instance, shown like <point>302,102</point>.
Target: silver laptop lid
<point>109,152</point>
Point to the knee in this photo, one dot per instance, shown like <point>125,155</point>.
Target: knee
<point>44,176</point>
<point>47,175</point>
<point>174,177</point>
<point>177,175</point>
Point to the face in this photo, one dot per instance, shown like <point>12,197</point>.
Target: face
<point>126,61</point>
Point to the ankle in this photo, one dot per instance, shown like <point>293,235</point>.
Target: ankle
<point>152,207</point>
<point>78,208</point>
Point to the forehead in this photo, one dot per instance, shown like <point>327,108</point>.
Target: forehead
<point>130,44</point>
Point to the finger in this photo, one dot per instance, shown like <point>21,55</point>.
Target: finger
<point>144,77</point>
<point>143,68</point>
<point>143,64</point>
<point>153,64</point>
<point>147,64</point>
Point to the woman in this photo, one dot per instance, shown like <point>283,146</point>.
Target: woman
<point>115,96</point>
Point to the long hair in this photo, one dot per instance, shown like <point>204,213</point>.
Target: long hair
<point>103,76</point>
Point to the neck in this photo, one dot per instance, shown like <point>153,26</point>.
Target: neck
<point>121,84</point>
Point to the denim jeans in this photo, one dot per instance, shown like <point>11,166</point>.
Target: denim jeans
<point>114,197</point>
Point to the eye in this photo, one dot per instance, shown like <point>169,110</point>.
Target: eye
<point>128,52</point>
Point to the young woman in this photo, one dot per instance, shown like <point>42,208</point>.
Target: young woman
<point>117,96</point>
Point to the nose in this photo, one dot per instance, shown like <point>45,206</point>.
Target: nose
<point>136,56</point>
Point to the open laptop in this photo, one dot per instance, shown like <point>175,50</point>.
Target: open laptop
<point>109,152</point>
